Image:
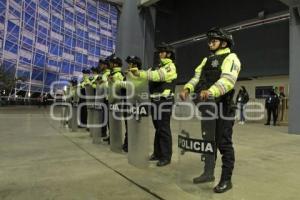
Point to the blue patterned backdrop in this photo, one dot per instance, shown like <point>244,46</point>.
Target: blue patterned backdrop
<point>42,41</point>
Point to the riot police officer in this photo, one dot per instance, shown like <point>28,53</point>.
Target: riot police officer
<point>105,72</point>
<point>162,88</point>
<point>117,76</point>
<point>216,77</point>
<point>133,62</point>
<point>85,80</point>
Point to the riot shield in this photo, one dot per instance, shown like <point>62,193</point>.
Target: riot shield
<point>64,109</point>
<point>138,121</point>
<point>115,117</point>
<point>98,120</point>
<point>65,112</point>
<point>197,148</point>
<point>64,115</point>
<point>90,100</point>
<point>75,101</point>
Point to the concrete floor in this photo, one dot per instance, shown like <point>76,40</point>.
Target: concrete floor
<point>41,160</point>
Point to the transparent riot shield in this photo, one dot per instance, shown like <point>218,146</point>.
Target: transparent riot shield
<point>75,101</point>
<point>138,121</point>
<point>197,149</point>
<point>90,100</point>
<point>115,117</point>
<point>64,114</point>
<point>66,109</point>
<point>98,118</point>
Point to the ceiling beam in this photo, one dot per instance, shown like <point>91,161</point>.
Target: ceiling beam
<point>291,3</point>
<point>147,3</point>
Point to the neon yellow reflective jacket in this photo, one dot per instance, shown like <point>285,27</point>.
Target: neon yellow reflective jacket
<point>86,81</point>
<point>230,68</point>
<point>105,75</point>
<point>166,73</point>
<point>93,82</point>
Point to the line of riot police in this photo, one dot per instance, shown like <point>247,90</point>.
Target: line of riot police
<point>108,102</point>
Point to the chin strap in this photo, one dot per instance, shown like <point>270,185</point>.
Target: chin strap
<point>214,51</point>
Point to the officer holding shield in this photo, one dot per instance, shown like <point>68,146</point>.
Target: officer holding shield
<point>85,81</point>
<point>216,77</point>
<point>105,72</point>
<point>162,88</point>
<point>133,62</point>
<point>117,76</point>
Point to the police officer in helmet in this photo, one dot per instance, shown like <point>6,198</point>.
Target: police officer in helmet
<point>103,66</point>
<point>216,77</point>
<point>117,77</point>
<point>134,62</point>
<point>85,81</point>
<point>162,88</point>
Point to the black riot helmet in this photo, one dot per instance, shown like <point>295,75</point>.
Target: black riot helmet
<point>221,34</point>
<point>86,71</point>
<point>103,64</point>
<point>103,61</point>
<point>163,47</point>
<point>110,57</point>
<point>95,70</point>
<point>74,81</point>
<point>134,60</point>
<point>115,60</point>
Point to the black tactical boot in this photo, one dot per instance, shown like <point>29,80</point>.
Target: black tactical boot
<point>204,178</point>
<point>223,186</point>
<point>153,158</point>
<point>162,163</point>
